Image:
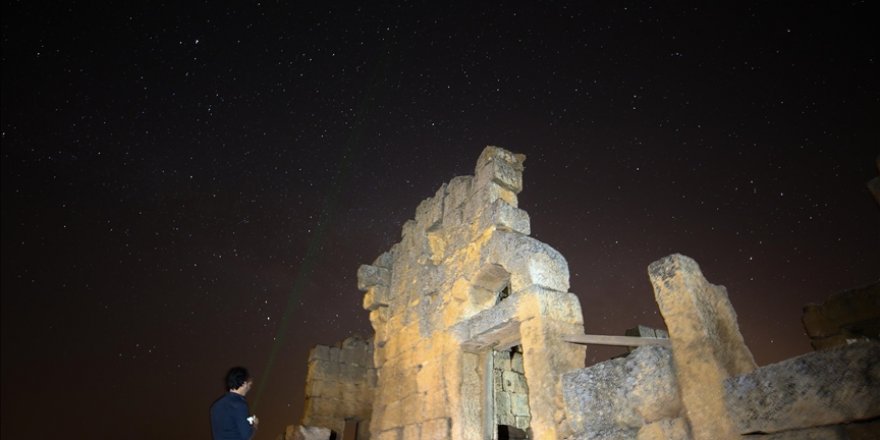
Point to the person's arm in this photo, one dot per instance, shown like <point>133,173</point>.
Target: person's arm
<point>239,416</point>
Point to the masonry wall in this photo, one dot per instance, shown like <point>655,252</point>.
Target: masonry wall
<point>435,304</point>
<point>340,385</point>
<point>707,385</point>
<point>511,390</point>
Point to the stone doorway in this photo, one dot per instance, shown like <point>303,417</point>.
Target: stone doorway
<point>350,432</point>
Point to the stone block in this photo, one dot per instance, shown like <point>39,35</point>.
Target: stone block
<point>501,360</point>
<point>436,429</point>
<point>624,392</point>
<point>502,404</point>
<point>707,346</point>
<point>311,433</point>
<point>609,433</point>
<point>429,376</point>
<point>412,431</point>
<point>319,352</point>
<point>835,386</point>
<point>376,297</point>
<point>391,434</point>
<point>529,261</point>
<point>519,404</point>
<point>500,166</point>
<point>323,370</point>
<point>504,216</point>
<point>497,381</point>
<point>516,363</point>
<point>522,422</point>
<point>369,276</point>
<point>429,213</point>
<point>434,403</point>
<point>457,191</point>
<point>665,429</point>
<point>514,382</point>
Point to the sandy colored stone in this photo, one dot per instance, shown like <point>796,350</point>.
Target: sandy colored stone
<point>625,392</point>
<point>310,433</point>
<point>665,429</point>
<point>339,384</point>
<point>461,281</point>
<point>435,429</point>
<point>707,346</point>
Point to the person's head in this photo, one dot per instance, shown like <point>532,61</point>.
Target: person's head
<point>238,380</point>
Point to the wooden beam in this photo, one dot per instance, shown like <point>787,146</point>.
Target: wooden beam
<point>624,341</point>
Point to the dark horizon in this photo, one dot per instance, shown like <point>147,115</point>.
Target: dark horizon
<point>189,188</point>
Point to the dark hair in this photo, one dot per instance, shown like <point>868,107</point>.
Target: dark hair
<point>236,377</point>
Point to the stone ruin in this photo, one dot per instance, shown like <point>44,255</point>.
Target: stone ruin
<point>473,318</point>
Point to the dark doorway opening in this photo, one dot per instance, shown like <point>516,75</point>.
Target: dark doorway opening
<point>506,432</point>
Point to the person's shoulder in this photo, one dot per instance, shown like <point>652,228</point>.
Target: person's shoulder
<point>223,399</point>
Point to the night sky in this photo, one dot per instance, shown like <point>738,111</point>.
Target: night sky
<point>188,188</point>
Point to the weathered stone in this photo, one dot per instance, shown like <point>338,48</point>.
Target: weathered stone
<point>435,429</point>
<point>369,276</point>
<point>311,433</point>
<point>339,384</point>
<point>429,213</point>
<point>844,317</point>
<point>625,392</point>
<point>519,404</point>
<point>707,346</point>
<point>376,297</point>
<point>500,166</point>
<point>500,214</point>
<point>666,429</point>
<point>612,433</point>
<point>819,388</point>
<point>471,316</point>
<point>460,282</point>
<point>516,363</point>
<point>821,433</point>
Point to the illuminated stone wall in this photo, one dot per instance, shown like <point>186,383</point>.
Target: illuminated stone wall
<point>340,384</point>
<point>466,280</point>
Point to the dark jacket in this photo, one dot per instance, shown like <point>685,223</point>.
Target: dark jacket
<point>229,418</point>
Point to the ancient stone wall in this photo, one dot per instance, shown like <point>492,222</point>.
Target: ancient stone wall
<point>471,318</point>
<point>708,387</point>
<point>511,390</point>
<point>466,280</point>
<point>340,385</point>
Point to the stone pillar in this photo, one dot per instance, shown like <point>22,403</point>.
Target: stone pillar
<point>546,317</point>
<point>707,346</point>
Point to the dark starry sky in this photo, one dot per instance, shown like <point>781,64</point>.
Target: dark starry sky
<point>186,188</point>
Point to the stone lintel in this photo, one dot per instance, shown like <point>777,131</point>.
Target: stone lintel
<point>494,327</point>
<point>529,261</point>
